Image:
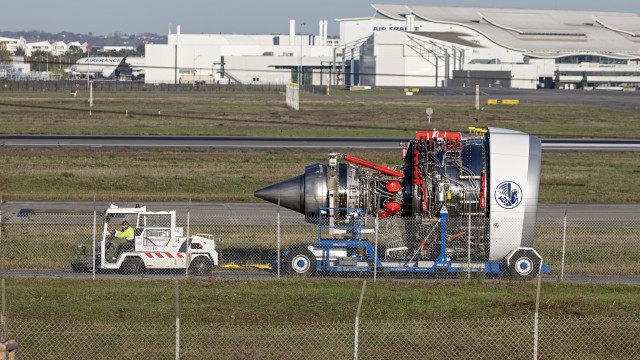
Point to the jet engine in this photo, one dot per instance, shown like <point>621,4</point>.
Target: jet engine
<point>486,180</point>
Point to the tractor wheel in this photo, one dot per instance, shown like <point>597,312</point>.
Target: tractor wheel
<point>132,266</point>
<point>524,265</point>
<point>201,266</point>
<point>300,262</point>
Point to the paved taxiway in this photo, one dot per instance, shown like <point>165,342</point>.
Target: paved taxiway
<point>263,142</point>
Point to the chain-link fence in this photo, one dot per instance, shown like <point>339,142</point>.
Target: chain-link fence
<point>251,238</point>
<point>137,86</point>
<point>482,338</point>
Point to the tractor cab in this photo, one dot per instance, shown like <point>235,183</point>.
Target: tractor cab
<point>157,244</point>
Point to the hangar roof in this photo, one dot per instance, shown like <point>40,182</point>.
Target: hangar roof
<point>545,33</point>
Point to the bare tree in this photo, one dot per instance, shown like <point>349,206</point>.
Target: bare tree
<point>4,53</point>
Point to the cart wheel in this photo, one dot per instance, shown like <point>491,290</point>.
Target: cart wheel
<point>201,266</point>
<point>132,266</point>
<point>524,265</point>
<point>76,267</point>
<point>300,262</point>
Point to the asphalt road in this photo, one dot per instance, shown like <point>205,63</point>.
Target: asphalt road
<point>612,99</point>
<point>604,98</point>
<point>263,142</point>
<point>80,212</point>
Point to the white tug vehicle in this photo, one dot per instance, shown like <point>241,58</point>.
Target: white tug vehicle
<point>157,245</point>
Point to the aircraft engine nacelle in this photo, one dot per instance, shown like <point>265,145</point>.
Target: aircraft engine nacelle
<point>491,176</point>
<point>109,71</point>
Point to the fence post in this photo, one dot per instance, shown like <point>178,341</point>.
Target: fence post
<point>375,255</point>
<point>564,241</point>
<point>477,97</point>
<point>177,322</point>
<point>357,322</point>
<point>278,237</point>
<point>3,318</point>
<point>186,269</point>
<point>469,249</point>
<point>93,246</point>
<point>535,322</point>
<point>0,217</point>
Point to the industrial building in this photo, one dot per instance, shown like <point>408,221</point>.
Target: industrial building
<point>243,59</point>
<point>411,45</point>
<point>419,46</point>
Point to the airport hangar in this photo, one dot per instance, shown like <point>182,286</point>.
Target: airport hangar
<point>421,46</point>
<point>243,59</point>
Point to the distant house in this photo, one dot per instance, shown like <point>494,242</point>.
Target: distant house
<point>77,44</point>
<point>118,48</point>
<point>59,48</point>
<point>13,44</point>
<point>37,46</point>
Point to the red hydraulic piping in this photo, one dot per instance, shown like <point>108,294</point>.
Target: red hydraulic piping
<point>383,169</point>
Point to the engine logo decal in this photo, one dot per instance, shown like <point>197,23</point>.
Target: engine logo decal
<point>508,194</point>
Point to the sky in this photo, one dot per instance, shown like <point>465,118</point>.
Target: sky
<point>230,16</point>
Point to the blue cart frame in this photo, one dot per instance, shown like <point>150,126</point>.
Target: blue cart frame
<point>353,240</point>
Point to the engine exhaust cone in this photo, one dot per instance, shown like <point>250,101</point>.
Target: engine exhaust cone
<point>290,192</point>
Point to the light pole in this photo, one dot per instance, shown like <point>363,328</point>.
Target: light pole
<point>195,58</point>
<point>300,68</point>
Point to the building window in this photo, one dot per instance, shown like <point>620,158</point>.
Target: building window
<point>577,59</point>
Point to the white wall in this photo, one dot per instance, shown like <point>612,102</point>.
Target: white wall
<point>159,63</point>
<point>388,53</point>
<point>201,55</point>
<point>398,64</point>
<point>13,44</point>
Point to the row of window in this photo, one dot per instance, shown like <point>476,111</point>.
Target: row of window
<point>577,59</point>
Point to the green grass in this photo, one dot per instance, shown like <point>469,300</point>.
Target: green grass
<point>590,250</point>
<point>307,300</point>
<point>230,175</point>
<point>593,177</point>
<point>354,114</point>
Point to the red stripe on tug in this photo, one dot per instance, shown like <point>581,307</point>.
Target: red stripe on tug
<point>159,255</point>
<point>383,169</point>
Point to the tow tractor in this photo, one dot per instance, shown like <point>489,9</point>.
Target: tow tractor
<point>355,253</point>
<point>158,244</point>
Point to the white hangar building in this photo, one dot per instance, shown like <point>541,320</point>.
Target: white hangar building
<point>243,59</point>
<point>411,45</point>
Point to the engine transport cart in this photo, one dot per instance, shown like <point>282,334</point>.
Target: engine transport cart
<point>158,244</point>
<point>355,253</point>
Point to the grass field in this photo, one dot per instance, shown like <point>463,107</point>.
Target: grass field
<point>266,114</point>
<point>230,175</point>
<point>266,308</point>
<point>307,300</point>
